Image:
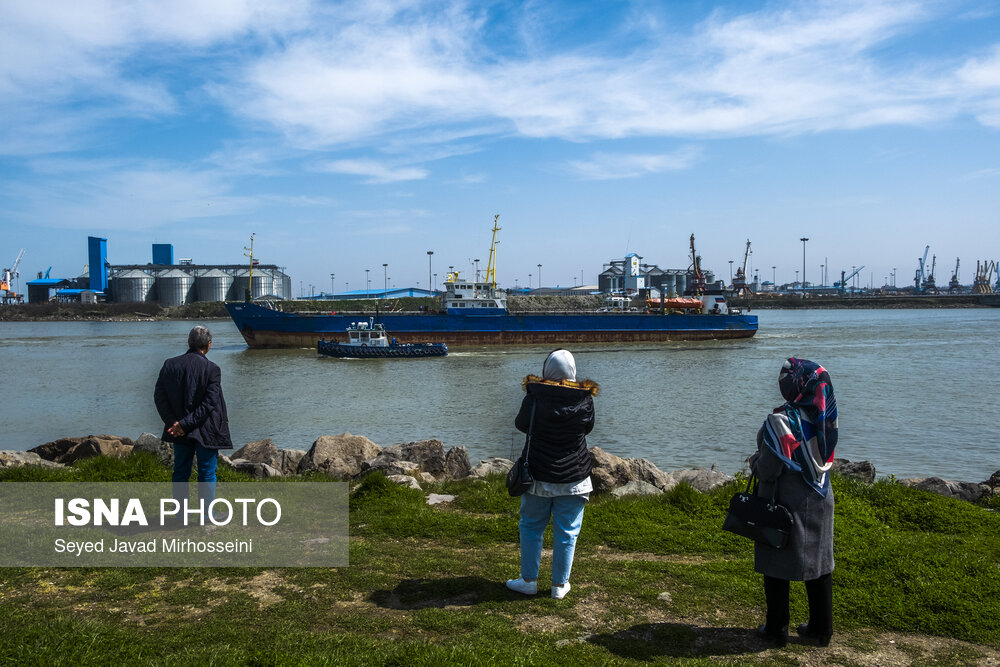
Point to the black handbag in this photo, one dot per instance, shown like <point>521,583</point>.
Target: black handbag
<point>519,476</point>
<point>761,519</point>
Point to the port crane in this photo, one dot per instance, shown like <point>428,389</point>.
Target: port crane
<point>928,286</point>
<point>984,274</point>
<point>10,295</point>
<point>740,281</point>
<point>491,264</point>
<point>842,284</point>
<point>954,286</point>
<point>923,281</point>
<point>697,285</point>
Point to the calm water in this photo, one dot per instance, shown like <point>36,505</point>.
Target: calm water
<point>917,390</point>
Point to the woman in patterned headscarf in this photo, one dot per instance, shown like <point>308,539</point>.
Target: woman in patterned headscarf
<point>794,455</point>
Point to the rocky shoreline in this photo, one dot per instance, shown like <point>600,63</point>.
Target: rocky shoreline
<point>353,457</point>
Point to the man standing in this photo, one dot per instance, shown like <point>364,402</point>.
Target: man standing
<point>188,396</point>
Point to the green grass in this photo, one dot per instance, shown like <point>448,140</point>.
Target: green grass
<point>425,587</point>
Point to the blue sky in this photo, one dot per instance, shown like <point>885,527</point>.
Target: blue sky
<point>348,135</point>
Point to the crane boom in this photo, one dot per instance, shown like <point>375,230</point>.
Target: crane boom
<point>491,268</point>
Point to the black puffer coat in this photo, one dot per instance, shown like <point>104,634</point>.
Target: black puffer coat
<point>564,415</point>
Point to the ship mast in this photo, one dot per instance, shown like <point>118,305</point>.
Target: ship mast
<point>491,268</point>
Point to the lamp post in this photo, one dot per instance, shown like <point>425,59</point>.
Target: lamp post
<point>385,280</point>
<point>821,280</point>
<point>774,281</point>
<point>539,276</point>
<point>430,254</point>
<point>796,275</point>
<point>333,283</point>
<point>368,284</point>
<point>529,281</point>
<point>435,283</point>
<point>803,239</point>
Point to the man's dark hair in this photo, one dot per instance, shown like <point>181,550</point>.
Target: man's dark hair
<point>199,338</point>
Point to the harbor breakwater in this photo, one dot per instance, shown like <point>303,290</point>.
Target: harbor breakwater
<point>353,457</point>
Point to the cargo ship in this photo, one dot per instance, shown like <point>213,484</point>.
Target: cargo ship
<point>475,313</point>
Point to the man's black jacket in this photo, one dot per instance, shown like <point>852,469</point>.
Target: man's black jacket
<point>189,391</point>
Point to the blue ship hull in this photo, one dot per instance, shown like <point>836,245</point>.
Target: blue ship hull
<point>264,327</point>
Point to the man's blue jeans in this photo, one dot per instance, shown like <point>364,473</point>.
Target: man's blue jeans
<point>566,513</point>
<point>208,459</point>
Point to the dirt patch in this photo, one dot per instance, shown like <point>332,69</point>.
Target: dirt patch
<point>262,587</point>
<point>604,553</point>
<point>547,624</point>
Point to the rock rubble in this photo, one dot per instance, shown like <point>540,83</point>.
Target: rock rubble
<point>352,457</point>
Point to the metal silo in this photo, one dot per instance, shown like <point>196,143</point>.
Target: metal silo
<point>133,286</point>
<point>263,283</point>
<point>174,288</point>
<point>213,285</point>
<point>240,285</point>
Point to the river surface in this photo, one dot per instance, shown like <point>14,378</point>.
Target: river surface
<point>917,389</point>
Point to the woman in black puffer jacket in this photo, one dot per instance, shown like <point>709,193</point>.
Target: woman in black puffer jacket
<point>559,413</point>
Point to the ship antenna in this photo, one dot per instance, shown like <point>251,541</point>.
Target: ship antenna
<point>491,266</point>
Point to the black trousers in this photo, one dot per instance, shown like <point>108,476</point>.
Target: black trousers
<point>820,594</point>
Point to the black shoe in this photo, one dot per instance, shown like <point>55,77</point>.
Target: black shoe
<point>806,633</point>
<point>779,639</point>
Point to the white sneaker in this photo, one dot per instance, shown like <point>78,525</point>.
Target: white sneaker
<point>559,592</point>
<point>522,586</point>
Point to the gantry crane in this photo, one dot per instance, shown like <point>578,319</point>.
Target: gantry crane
<point>954,286</point>
<point>740,285</point>
<point>9,294</point>
<point>929,286</point>
<point>842,284</point>
<point>697,285</point>
<point>984,274</point>
<point>919,277</point>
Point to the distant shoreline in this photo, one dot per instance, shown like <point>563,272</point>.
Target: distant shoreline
<point>148,311</point>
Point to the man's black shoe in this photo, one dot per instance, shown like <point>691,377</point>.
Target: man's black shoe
<point>806,633</point>
<point>779,639</point>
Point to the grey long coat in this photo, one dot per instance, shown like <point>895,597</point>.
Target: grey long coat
<point>809,552</point>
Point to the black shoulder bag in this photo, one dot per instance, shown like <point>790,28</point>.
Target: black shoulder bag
<point>761,519</point>
<point>519,477</point>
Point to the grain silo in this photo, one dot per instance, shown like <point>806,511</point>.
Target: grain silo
<point>213,285</point>
<point>174,288</point>
<point>133,286</point>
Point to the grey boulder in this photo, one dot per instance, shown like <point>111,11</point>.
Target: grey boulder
<point>338,456</point>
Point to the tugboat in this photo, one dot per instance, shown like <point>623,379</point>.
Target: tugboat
<point>369,340</point>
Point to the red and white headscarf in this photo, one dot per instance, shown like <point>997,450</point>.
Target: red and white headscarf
<point>803,431</point>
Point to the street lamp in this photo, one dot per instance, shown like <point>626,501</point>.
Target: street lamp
<point>430,254</point>
<point>804,239</point>
<point>774,280</point>
<point>434,284</point>
<point>333,283</point>
<point>529,281</point>
<point>368,284</point>
<point>385,280</point>
<point>821,280</point>
<point>539,276</point>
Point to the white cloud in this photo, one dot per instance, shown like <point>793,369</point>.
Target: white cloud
<point>375,171</point>
<point>603,166</point>
<point>121,196</point>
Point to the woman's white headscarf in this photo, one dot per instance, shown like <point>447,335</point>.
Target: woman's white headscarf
<point>559,365</point>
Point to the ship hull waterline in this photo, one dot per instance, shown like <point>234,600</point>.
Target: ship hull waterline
<point>265,328</point>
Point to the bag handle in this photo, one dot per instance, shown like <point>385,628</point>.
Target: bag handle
<point>754,482</point>
<point>527,436</point>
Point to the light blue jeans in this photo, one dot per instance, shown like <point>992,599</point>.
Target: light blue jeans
<point>208,460</point>
<point>566,513</point>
